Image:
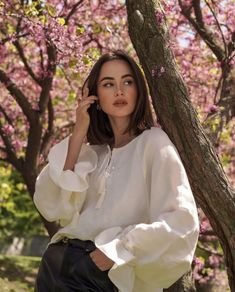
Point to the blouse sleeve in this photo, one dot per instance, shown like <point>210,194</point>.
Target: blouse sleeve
<point>160,252</point>
<point>59,193</point>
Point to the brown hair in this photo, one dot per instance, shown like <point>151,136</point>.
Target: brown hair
<point>100,130</point>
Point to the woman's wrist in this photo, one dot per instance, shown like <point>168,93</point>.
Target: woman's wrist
<point>78,135</point>
<point>75,143</point>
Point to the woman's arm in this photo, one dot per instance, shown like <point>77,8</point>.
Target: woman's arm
<point>61,186</point>
<point>80,130</point>
<point>74,148</point>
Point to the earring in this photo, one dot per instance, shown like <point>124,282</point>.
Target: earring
<point>98,107</point>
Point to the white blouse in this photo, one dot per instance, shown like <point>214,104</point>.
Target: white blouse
<point>134,202</point>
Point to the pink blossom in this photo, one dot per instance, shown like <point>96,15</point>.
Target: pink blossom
<point>159,17</point>
<point>41,159</point>
<point>212,108</point>
<point>158,71</point>
<point>214,261</point>
<point>8,129</point>
<point>17,145</point>
<point>198,262</point>
<point>94,4</point>
<point>187,3</point>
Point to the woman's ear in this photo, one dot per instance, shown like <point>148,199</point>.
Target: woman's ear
<point>85,85</point>
<point>98,107</point>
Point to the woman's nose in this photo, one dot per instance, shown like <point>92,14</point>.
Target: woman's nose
<point>119,91</point>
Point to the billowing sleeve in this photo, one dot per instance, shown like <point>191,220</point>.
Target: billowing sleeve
<point>161,251</point>
<point>60,193</point>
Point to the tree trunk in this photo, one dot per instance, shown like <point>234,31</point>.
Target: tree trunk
<point>178,118</point>
<point>184,284</point>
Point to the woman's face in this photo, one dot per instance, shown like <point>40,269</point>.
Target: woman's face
<point>116,89</point>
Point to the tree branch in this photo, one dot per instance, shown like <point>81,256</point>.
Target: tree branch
<point>226,108</point>
<point>24,60</point>
<point>8,119</point>
<point>42,59</point>
<point>209,250</point>
<point>93,39</point>
<point>3,149</point>
<point>219,27</point>
<point>22,55</point>
<point>198,12</point>
<point>18,96</point>
<point>218,87</point>
<point>49,133</point>
<point>7,39</point>
<point>202,30</point>
<point>10,151</point>
<point>225,102</point>
<point>47,81</point>
<point>72,11</point>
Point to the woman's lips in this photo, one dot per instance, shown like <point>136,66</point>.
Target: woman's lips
<point>120,103</point>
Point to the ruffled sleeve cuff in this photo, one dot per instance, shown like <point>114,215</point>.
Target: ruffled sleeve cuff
<point>73,181</point>
<point>122,273</point>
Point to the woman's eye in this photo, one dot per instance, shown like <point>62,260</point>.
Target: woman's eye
<point>129,82</point>
<point>108,84</point>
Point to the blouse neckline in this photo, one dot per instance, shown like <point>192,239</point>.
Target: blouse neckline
<point>117,149</point>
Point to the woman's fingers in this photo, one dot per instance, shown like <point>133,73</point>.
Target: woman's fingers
<point>85,106</point>
<point>89,100</point>
<point>101,260</point>
<point>86,93</point>
<point>82,115</point>
<point>84,96</point>
<point>85,101</point>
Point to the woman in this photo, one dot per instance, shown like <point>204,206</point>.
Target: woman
<point>127,215</point>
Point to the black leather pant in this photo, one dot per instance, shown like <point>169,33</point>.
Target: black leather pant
<point>66,266</point>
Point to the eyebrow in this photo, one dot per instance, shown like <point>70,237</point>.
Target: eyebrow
<point>111,78</point>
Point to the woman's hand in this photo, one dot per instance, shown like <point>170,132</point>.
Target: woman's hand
<point>82,116</point>
<point>101,260</point>
<point>79,130</point>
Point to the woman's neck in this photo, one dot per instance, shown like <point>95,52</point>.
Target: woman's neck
<point>121,139</point>
<point>119,126</point>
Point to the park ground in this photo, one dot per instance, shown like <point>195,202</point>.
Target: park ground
<point>17,273</point>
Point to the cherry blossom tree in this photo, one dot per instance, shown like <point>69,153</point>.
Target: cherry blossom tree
<point>149,34</point>
<point>47,48</point>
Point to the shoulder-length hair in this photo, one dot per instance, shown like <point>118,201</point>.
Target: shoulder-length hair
<point>100,130</point>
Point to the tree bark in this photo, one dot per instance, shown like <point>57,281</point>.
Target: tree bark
<point>184,284</point>
<point>214,194</point>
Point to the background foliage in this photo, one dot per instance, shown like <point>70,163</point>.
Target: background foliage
<point>47,49</point>
<point>18,216</point>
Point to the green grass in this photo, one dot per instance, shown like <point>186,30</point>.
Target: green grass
<point>17,273</point>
